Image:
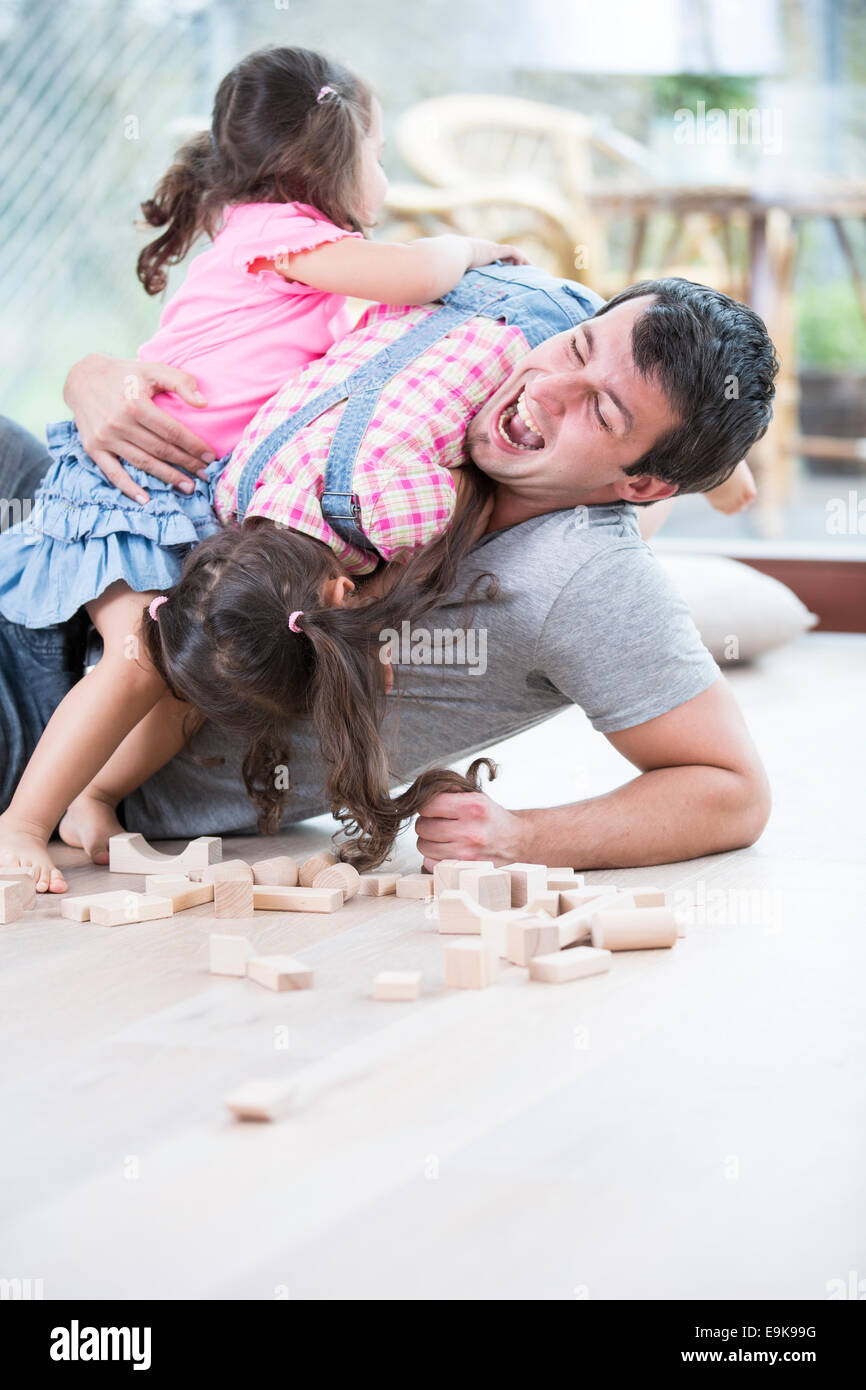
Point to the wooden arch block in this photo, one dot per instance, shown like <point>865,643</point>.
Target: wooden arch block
<point>131,854</point>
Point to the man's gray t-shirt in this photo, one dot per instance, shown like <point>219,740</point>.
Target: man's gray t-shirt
<point>584,614</point>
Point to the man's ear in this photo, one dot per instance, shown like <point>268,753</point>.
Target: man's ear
<point>643,488</point>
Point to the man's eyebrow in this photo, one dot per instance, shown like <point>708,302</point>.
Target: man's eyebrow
<point>620,405</point>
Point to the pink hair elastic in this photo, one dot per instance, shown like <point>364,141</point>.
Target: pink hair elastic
<point>155,604</point>
<point>293,619</point>
<point>325,92</point>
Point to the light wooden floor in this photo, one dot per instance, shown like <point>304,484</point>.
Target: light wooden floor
<point>690,1125</point>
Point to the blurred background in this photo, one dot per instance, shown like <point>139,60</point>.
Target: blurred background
<point>723,140</point>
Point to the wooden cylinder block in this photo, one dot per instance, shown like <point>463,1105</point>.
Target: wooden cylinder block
<point>638,929</point>
<point>313,866</point>
<point>281,872</point>
<point>343,876</point>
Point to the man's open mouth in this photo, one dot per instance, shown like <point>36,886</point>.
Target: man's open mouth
<point>518,428</point>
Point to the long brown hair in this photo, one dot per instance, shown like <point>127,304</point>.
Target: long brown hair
<point>222,642</point>
<point>270,141</point>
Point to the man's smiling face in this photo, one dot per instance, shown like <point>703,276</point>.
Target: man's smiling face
<point>572,417</point>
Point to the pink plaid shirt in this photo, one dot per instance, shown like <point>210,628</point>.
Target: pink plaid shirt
<point>403,474</point>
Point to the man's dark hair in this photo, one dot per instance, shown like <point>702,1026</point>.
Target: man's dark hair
<point>714,360</point>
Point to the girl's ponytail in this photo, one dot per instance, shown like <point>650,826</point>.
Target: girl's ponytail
<point>347,704</point>
<point>287,126</point>
<point>348,722</point>
<point>177,205</point>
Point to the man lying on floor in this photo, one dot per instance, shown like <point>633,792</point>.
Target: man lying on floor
<point>630,402</point>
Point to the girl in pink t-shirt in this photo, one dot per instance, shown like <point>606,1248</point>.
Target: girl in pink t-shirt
<point>285,183</point>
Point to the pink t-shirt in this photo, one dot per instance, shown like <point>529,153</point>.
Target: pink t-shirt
<point>241,334</point>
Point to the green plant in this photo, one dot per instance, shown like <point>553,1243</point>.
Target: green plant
<point>831,330</point>
<point>686,89</point>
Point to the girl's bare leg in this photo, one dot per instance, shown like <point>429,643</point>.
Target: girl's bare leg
<point>92,817</point>
<point>85,729</point>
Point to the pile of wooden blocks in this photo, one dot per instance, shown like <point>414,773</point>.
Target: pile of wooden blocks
<point>174,883</point>
<point>544,919</point>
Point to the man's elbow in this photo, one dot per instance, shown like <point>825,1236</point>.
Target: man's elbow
<point>752,807</point>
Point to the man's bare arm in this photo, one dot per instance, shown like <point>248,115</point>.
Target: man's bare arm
<point>702,790</point>
<point>110,399</point>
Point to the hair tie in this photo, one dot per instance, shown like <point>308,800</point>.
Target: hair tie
<point>325,92</point>
<point>155,604</point>
<point>293,619</point>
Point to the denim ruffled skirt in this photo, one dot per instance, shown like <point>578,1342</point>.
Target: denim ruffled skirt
<point>83,534</point>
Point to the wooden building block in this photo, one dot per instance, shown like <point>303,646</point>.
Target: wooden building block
<point>531,936</point>
<point>564,879</point>
<point>548,902</point>
<point>527,881</point>
<point>469,964</point>
<point>229,870</point>
<point>27,880</point>
<point>647,897</point>
<point>133,907</point>
<point>491,888</point>
<point>640,929</point>
<point>494,932</point>
<point>131,854</point>
<point>280,872</point>
<point>494,926</point>
<point>312,866</point>
<point>377,885</point>
<point>13,896</point>
<point>77,909</point>
<point>458,913</point>
<point>342,876</point>
<point>575,964</point>
<point>233,897</point>
<point>261,1100</point>
<point>182,891</point>
<point>229,954</point>
<point>268,899</point>
<point>570,898</point>
<point>415,886</point>
<point>280,972</point>
<point>397,984</point>
<point>575,926</point>
<point>446,874</point>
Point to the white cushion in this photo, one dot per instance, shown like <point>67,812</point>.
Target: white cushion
<point>738,611</point>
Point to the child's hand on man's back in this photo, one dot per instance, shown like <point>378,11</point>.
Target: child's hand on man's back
<point>485,252</point>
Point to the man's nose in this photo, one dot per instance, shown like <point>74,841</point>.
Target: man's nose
<point>554,390</point>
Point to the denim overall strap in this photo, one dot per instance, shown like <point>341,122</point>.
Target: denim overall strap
<point>339,503</point>
<point>539,304</point>
<point>360,390</point>
<point>267,447</point>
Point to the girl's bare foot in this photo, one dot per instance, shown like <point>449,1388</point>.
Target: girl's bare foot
<point>20,849</point>
<point>88,824</point>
